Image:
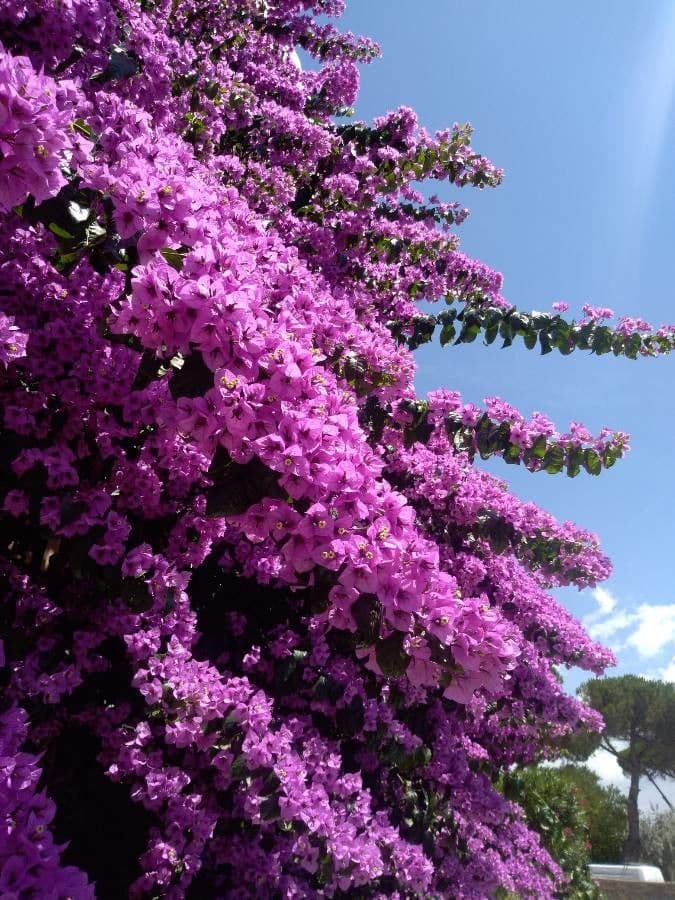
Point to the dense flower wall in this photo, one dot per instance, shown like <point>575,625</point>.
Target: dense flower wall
<point>267,630</point>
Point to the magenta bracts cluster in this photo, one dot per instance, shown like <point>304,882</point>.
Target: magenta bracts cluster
<point>266,629</point>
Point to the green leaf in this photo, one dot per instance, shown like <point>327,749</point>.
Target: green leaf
<point>60,232</point>
<point>468,334</point>
<point>512,455</point>
<point>561,336</point>
<point>173,257</point>
<point>367,614</point>
<point>500,438</point>
<point>420,432</point>
<point>448,333</point>
<point>491,332</point>
<point>490,438</point>
<point>520,322</point>
<point>506,332</point>
<point>602,340</point>
<point>545,342</point>
<point>554,460</point>
<point>538,449</point>
<point>574,460</point>
<point>633,346</point>
<point>391,657</point>
<point>609,457</point>
<point>239,768</point>
<point>424,327</point>
<point>498,532</point>
<point>82,128</point>
<point>530,339</point>
<point>64,261</point>
<point>540,320</point>
<point>592,462</point>
<point>617,344</point>
<point>422,756</point>
<point>582,335</point>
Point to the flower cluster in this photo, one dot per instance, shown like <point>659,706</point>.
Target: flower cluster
<point>35,144</point>
<point>29,859</point>
<point>257,601</point>
<point>12,341</point>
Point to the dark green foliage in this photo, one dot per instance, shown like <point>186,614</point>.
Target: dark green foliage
<point>81,221</point>
<point>390,655</point>
<point>555,812</point>
<point>605,811</point>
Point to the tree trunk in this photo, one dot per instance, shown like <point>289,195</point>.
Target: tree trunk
<point>631,849</point>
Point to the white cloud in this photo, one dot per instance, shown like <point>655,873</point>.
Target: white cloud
<point>606,603</point>
<point>605,599</point>
<point>649,628</point>
<point>609,772</point>
<point>607,627</point>
<point>655,631</point>
<point>667,673</point>
<point>607,769</point>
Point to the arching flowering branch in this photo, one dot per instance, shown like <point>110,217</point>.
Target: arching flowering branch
<point>630,337</point>
<point>500,430</point>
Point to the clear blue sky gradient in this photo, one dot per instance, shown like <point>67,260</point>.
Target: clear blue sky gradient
<point>574,101</point>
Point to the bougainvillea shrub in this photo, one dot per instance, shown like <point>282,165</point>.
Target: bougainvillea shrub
<point>267,630</point>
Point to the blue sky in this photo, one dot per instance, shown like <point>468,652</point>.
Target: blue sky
<point>575,101</point>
